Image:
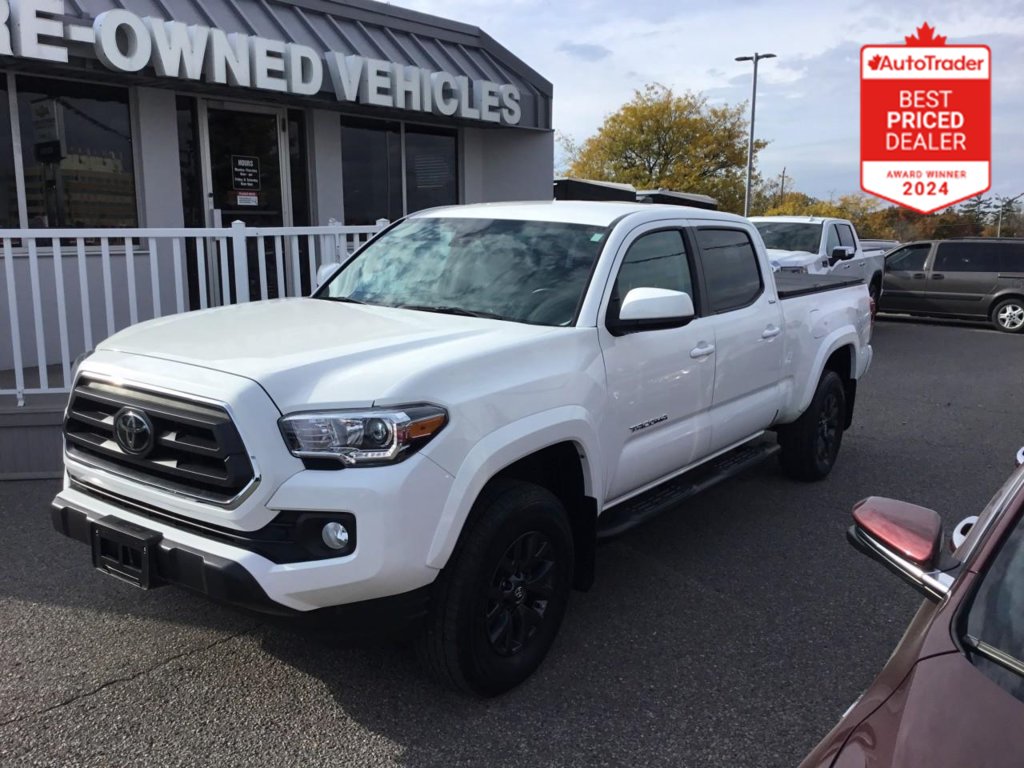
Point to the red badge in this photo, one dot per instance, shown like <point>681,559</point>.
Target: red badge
<point>925,121</point>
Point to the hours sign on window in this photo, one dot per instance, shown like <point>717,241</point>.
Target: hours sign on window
<point>925,121</point>
<point>245,173</point>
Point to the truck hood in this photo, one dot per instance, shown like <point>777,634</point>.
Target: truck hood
<point>315,353</point>
<point>781,258</point>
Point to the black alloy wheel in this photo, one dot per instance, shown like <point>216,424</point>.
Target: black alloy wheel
<point>827,444</point>
<point>810,445</point>
<point>519,593</point>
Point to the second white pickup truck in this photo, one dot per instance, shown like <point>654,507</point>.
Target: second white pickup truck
<point>446,428</point>
<point>821,246</point>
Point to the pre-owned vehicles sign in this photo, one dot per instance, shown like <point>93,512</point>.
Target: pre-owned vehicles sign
<point>925,121</point>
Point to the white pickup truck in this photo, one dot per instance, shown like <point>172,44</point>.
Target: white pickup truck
<point>446,428</point>
<point>820,246</point>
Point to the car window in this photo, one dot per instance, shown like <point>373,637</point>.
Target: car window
<point>994,617</point>
<point>833,239</point>
<point>731,271</point>
<point>525,271</point>
<point>790,235</point>
<point>1011,257</point>
<point>909,258</point>
<point>967,257</point>
<point>654,260</point>
<point>846,235</point>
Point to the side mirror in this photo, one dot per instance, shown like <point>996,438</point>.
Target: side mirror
<point>905,538</point>
<point>648,309</point>
<point>841,253</point>
<point>324,273</point>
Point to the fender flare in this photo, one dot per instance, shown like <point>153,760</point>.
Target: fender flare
<point>839,338</point>
<point>504,447</point>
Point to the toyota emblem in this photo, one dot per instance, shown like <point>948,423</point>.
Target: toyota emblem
<point>133,431</point>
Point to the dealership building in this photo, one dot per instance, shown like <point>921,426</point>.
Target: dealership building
<point>190,113</point>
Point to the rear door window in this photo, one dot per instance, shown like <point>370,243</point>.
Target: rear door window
<point>731,272</point>
<point>909,258</point>
<point>967,257</point>
<point>1011,257</point>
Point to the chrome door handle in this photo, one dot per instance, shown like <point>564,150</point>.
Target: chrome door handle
<point>771,332</point>
<point>702,350</point>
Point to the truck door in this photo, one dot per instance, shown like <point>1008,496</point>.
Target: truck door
<point>855,267</point>
<point>748,335</point>
<point>903,286</point>
<point>660,382</point>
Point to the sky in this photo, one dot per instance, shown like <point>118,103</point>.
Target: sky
<point>597,52</point>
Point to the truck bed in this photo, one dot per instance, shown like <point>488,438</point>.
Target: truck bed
<point>792,284</point>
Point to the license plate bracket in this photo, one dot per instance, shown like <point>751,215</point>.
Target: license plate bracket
<point>125,551</point>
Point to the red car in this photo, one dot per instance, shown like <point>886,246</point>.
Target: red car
<point>952,694</point>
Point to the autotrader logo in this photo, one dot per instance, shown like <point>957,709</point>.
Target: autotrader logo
<point>133,431</point>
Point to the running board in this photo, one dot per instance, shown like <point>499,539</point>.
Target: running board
<point>642,508</point>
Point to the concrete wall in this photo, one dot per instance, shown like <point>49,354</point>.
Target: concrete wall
<point>501,165</point>
<point>325,173</point>
<point>157,169</point>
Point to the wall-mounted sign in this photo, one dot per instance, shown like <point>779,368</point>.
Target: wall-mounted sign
<point>245,173</point>
<point>126,42</point>
<point>248,199</point>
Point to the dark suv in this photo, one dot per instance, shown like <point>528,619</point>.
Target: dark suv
<point>978,278</point>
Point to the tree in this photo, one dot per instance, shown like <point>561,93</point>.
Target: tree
<point>660,139</point>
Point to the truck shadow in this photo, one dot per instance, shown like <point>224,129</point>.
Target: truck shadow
<point>684,641</point>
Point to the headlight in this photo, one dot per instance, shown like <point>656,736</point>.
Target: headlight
<point>375,436</point>
<point>78,362</point>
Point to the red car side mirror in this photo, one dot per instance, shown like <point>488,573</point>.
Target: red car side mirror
<point>912,532</point>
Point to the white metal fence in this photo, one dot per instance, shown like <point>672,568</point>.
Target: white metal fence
<point>67,289</point>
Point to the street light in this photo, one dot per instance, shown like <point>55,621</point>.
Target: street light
<point>1002,207</point>
<point>753,103</point>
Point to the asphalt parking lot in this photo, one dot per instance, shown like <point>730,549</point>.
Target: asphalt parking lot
<point>730,633</point>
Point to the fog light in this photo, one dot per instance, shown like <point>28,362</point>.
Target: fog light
<point>335,535</point>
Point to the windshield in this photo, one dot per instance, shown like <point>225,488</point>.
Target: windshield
<point>995,616</point>
<point>525,271</point>
<point>790,235</point>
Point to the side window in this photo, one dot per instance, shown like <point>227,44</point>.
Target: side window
<point>833,239</point>
<point>1011,257</point>
<point>846,235</point>
<point>731,271</point>
<point>967,257</point>
<point>910,258</point>
<point>654,260</point>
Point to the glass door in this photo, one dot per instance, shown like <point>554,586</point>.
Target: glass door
<point>247,179</point>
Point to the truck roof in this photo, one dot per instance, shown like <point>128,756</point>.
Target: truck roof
<point>799,219</point>
<point>593,213</point>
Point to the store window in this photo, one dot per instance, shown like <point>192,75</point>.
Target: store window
<point>375,184</point>
<point>371,157</point>
<point>8,188</point>
<point>77,154</point>
<point>431,177</point>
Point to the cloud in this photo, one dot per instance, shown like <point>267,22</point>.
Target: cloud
<point>585,51</point>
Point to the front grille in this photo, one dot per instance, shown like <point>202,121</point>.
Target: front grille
<point>196,449</point>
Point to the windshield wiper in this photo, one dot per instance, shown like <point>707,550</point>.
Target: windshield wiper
<point>992,653</point>
<point>447,310</point>
<point>345,299</point>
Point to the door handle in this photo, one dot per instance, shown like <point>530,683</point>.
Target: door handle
<point>702,350</point>
<point>938,277</point>
<point>771,332</point>
<point>918,275</point>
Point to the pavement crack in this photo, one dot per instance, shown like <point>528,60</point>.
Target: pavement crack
<point>129,678</point>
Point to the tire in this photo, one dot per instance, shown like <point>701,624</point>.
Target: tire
<point>811,444</point>
<point>875,292</point>
<point>498,603</point>
<point>1008,315</point>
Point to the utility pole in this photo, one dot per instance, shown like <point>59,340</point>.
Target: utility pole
<point>753,105</point>
<point>782,186</point>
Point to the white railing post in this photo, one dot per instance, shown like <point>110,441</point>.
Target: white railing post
<point>240,255</point>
